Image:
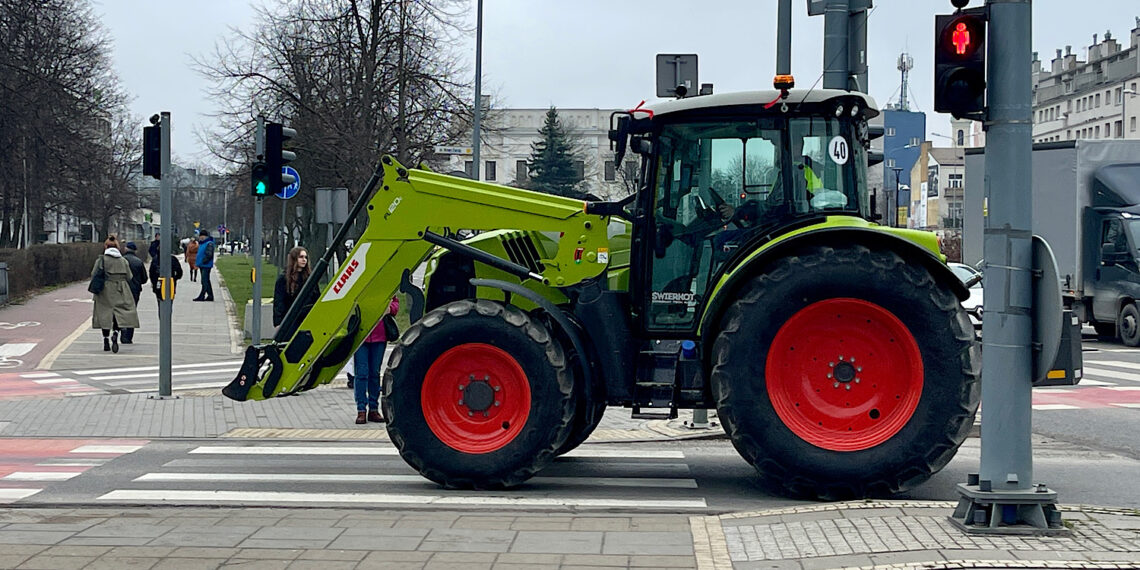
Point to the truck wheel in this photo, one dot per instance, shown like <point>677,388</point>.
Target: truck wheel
<point>478,396</point>
<point>1129,325</point>
<point>843,372</point>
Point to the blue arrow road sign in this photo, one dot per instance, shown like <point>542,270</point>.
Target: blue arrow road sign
<point>292,189</point>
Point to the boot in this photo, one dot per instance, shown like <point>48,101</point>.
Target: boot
<point>106,344</point>
<point>361,418</point>
<point>115,341</point>
<point>375,417</point>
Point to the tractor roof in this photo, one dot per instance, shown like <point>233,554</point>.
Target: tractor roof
<point>753,98</point>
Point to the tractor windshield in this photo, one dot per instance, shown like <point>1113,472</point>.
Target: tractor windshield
<point>720,182</point>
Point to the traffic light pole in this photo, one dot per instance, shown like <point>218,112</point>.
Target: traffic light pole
<point>166,241</point>
<point>1002,498</point>
<point>255,242</point>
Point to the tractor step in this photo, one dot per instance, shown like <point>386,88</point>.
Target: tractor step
<point>657,414</point>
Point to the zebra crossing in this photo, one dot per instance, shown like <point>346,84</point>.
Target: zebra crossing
<point>1106,384</point>
<point>137,379</point>
<point>261,473</point>
<point>30,465</point>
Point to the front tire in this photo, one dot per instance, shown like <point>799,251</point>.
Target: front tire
<point>843,372</point>
<point>478,395</point>
<point>1129,325</point>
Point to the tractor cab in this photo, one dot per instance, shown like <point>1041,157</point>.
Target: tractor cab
<point>724,173</point>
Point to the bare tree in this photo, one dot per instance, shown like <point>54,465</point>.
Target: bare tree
<point>58,102</point>
<point>356,78</point>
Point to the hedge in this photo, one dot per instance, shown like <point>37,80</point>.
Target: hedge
<point>49,264</point>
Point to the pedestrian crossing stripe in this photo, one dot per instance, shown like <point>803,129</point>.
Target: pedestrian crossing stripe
<point>639,482</point>
<point>1043,407</point>
<point>581,452</point>
<point>152,496</point>
<point>1114,374</point>
<point>99,371</point>
<point>40,475</point>
<point>10,495</point>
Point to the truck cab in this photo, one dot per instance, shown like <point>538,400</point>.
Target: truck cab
<point>1113,219</point>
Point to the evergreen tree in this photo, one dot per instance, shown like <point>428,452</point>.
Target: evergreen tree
<point>551,166</point>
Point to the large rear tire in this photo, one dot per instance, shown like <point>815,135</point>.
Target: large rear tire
<point>478,395</point>
<point>842,373</point>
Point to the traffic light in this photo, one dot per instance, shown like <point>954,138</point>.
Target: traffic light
<point>259,177</point>
<point>960,64</point>
<point>276,157</point>
<point>152,151</point>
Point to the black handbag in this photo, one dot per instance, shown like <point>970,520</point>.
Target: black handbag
<point>391,330</point>
<point>99,280</point>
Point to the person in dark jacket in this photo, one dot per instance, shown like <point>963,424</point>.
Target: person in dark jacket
<point>138,278</point>
<point>205,262</point>
<point>289,284</point>
<point>154,248</point>
<point>156,280</point>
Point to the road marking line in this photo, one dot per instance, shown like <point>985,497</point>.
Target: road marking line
<point>1055,407</point>
<point>1124,388</point>
<point>39,375</point>
<point>106,449</point>
<point>1086,381</point>
<point>372,478</point>
<point>73,463</point>
<point>1114,374</point>
<point>155,368</point>
<point>56,381</point>
<point>17,494</point>
<point>581,452</point>
<point>270,497</point>
<point>154,374</point>
<point>1127,405</point>
<point>50,357</point>
<point>40,475</point>
<point>1133,366</point>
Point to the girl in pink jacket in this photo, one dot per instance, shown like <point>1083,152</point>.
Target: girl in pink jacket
<point>367,362</point>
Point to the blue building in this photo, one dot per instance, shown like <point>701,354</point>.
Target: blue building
<point>904,132</point>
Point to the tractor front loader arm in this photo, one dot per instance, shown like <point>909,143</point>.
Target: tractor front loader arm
<point>410,211</point>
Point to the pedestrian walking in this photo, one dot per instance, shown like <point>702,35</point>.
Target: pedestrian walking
<point>138,279</point>
<point>289,284</point>
<point>191,258</point>
<point>368,359</point>
<point>205,261</point>
<point>155,247</point>
<point>155,279</point>
<point>114,305</point>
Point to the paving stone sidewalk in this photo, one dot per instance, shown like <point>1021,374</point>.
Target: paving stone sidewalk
<point>886,534</point>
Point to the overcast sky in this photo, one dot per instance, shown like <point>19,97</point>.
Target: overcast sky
<point>590,53</point>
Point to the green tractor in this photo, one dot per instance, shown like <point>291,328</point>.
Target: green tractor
<point>744,275</point>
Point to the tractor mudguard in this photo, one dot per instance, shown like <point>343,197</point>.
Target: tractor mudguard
<point>916,245</point>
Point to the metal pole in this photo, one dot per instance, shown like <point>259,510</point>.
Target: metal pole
<point>835,58</point>
<point>857,50</point>
<point>784,38</point>
<point>478,93</point>
<point>1007,451</point>
<point>166,210</point>
<point>255,248</point>
<point>1003,494</point>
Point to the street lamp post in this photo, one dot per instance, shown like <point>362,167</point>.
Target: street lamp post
<point>893,222</point>
<point>1128,93</point>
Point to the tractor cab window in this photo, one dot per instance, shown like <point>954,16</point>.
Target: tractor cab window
<point>827,165</point>
<point>715,181</point>
<point>718,183</point>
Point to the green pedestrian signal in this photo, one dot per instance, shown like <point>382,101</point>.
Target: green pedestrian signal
<point>259,177</point>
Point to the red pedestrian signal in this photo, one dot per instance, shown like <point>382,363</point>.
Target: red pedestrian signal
<point>960,64</point>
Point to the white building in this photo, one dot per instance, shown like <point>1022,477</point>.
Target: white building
<point>1092,99</point>
<point>509,133</point>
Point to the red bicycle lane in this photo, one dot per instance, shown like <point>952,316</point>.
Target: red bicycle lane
<point>32,333</point>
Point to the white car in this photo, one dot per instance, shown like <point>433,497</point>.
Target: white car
<point>973,305</point>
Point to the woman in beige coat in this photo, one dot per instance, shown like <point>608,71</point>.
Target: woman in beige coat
<point>114,305</point>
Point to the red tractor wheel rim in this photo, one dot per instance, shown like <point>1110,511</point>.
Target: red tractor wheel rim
<point>475,398</point>
<point>844,374</point>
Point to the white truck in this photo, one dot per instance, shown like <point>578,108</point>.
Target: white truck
<point>1086,204</point>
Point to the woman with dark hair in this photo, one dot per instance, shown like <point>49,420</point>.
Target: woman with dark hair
<point>289,284</point>
<point>114,303</point>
